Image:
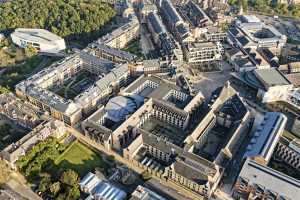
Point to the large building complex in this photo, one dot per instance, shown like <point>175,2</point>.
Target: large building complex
<point>42,40</point>
<point>39,88</point>
<point>151,125</point>
<point>178,116</point>
<point>249,31</point>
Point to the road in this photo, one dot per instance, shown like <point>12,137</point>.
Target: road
<point>18,184</point>
<point>166,192</point>
<point>146,42</point>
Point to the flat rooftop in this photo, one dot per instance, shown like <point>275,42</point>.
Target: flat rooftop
<point>37,35</point>
<point>271,179</point>
<point>162,89</point>
<point>271,77</point>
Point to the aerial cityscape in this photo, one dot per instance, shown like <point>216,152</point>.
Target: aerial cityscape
<point>150,100</point>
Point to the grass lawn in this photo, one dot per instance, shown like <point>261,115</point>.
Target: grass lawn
<point>79,158</point>
<point>134,48</point>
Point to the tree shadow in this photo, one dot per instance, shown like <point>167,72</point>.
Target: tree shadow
<point>87,165</point>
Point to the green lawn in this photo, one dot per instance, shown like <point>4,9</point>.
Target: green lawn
<point>134,48</point>
<point>79,158</point>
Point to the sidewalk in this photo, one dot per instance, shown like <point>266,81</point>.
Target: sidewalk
<point>23,190</point>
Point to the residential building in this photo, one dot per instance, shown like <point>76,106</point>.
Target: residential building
<point>214,34</point>
<point>108,53</point>
<point>15,150</point>
<point>21,113</point>
<point>203,52</point>
<point>121,36</point>
<point>37,88</point>
<point>42,40</point>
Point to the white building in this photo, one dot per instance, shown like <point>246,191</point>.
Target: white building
<point>99,189</point>
<point>266,136</point>
<point>42,40</point>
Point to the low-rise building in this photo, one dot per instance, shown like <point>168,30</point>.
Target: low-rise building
<point>266,137</point>
<point>289,151</point>
<point>42,40</point>
<point>256,181</point>
<point>143,193</point>
<point>203,52</point>
<point>271,85</point>
<point>14,151</point>
<point>100,189</point>
<point>121,36</point>
<point>108,53</point>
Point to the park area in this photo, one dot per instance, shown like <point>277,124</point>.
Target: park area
<point>80,158</point>
<point>55,167</point>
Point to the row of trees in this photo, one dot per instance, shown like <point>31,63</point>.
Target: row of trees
<point>38,166</point>
<point>64,188</point>
<point>32,163</point>
<point>269,6</point>
<point>62,17</point>
<point>277,8</point>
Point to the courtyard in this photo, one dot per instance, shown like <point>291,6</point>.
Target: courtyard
<point>165,131</point>
<point>75,85</point>
<point>10,133</point>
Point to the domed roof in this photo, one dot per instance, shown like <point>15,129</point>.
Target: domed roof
<point>118,107</point>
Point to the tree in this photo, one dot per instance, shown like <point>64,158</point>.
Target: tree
<point>233,2</point>
<point>4,172</point>
<point>69,177</point>
<point>244,3</point>
<point>261,5</point>
<point>282,8</point>
<point>4,90</point>
<point>73,193</point>
<point>30,51</point>
<point>295,10</point>
<point>45,183</point>
<point>55,188</point>
<point>63,17</point>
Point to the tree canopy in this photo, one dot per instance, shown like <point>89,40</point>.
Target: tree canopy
<point>62,17</point>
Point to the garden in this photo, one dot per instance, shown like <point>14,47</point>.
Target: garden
<point>56,167</point>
